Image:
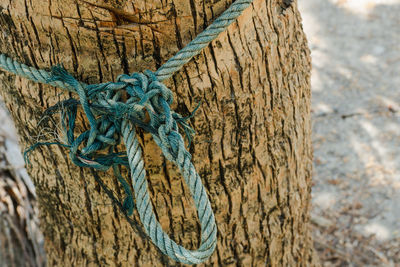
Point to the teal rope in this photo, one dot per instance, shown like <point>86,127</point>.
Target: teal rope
<point>110,117</point>
<point>202,40</point>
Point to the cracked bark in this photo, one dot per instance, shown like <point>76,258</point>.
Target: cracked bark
<point>252,147</point>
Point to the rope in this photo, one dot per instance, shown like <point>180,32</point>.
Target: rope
<point>202,40</point>
<point>110,116</point>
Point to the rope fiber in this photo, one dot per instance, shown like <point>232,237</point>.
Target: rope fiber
<point>111,117</point>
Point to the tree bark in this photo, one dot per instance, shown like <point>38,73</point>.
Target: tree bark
<point>252,147</point>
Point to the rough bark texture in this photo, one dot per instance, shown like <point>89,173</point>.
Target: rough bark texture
<point>252,147</point>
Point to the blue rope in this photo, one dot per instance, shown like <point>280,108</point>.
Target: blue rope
<point>110,117</point>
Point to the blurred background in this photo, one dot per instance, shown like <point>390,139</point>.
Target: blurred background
<point>355,48</point>
<point>21,242</point>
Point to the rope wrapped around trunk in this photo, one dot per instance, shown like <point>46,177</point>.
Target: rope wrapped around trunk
<point>110,117</point>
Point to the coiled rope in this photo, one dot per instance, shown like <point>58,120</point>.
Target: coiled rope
<point>110,116</point>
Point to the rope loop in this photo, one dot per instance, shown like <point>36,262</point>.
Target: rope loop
<point>112,115</point>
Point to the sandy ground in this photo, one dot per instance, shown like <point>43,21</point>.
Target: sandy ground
<point>356,130</point>
<point>355,48</point>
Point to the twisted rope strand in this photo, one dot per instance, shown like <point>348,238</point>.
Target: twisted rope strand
<point>31,73</point>
<point>145,208</point>
<point>109,115</point>
<point>202,40</point>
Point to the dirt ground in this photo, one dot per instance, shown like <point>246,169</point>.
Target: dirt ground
<point>355,48</point>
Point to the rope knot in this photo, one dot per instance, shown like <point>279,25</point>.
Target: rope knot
<point>146,90</point>
<point>105,105</point>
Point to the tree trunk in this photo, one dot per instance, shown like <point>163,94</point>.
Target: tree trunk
<point>252,147</point>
